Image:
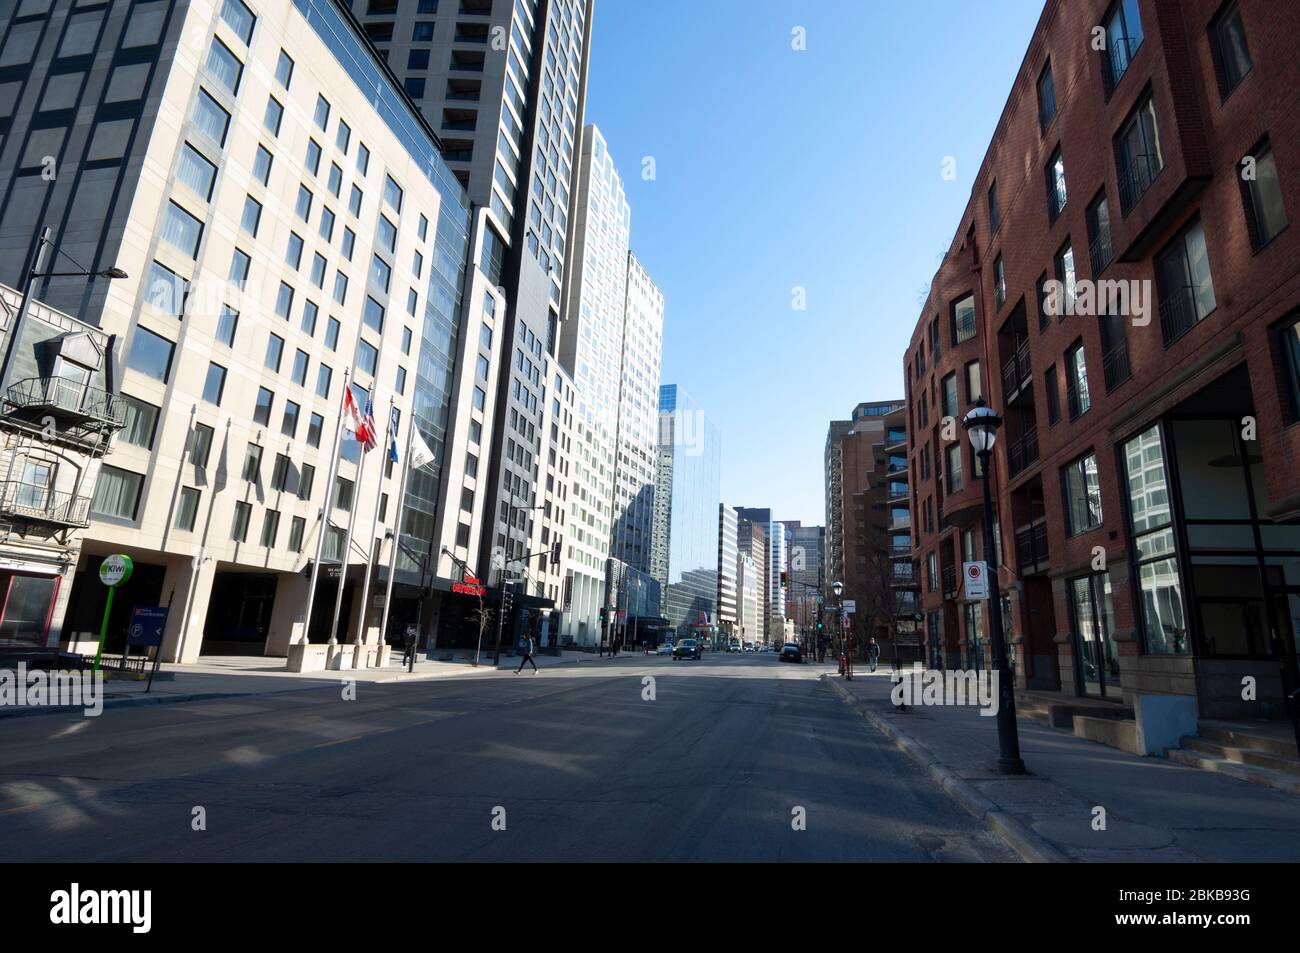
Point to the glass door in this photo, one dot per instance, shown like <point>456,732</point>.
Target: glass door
<point>1097,670</point>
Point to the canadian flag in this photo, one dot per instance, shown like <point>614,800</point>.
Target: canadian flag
<point>363,428</point>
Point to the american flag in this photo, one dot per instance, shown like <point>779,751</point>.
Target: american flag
<point>367,433</point>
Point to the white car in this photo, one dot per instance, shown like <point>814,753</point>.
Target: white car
<point>665,648</point>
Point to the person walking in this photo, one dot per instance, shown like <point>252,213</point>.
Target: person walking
<point>873,653</point>
<point>528,655</point>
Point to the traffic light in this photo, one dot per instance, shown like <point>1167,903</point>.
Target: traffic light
<point>555,552</point>
<point>784,580</point>
<point>507,601</point>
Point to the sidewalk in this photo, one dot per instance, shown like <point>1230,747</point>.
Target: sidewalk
<point>215,677</point>
<point>1155,810</point>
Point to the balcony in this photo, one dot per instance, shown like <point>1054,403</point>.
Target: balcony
<point>1031,547</point>
<point>900,551</point>
<point>1101,252</point>
<point>904,576</point>
<point>949,575</point>
<point>1016,372</point>
<point>1178,313</point>
<point>1023,453</point>
<point>1115,61</point>
<point>1135,177</point>
<point>1114,364</point>
<point>86,406</point>
<point>40,504</point>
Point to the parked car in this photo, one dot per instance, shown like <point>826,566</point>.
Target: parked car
<point>790,652</point>
<point>686,648</point>
<point>765,647</point>
<point>665,648</point>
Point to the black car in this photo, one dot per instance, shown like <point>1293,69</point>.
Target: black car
<point>790,652</point>
<point>686,648</point>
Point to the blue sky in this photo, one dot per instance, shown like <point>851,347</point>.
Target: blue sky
<point>777,169</point>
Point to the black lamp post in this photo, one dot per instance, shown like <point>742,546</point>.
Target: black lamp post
<point>846,646</point>
<point>982,424</point>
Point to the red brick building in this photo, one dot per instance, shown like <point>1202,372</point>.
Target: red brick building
<point>1147,476</point>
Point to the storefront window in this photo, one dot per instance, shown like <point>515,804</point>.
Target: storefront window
<point>1163,624</point>
<point>26,608</point>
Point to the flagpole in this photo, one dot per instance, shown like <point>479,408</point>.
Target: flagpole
<point>370,540</point>
<point>347,544</point>
<point>325,513</point>
<point>397,525</point>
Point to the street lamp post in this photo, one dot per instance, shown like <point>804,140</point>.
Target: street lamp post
<point>982,424</point>
<point>846,638</point>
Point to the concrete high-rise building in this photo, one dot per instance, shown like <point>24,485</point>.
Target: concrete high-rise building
<point>285,218</point>
<point>638,418</point>
<point>505,82</point>
<point>775,554</point>
<point>804,592</point>
<point>727,556</point>
<point>591,349</point>
<point>749,624</point>
<point>687,496</point>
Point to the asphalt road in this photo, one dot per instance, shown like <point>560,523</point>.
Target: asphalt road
<point>574,762</point>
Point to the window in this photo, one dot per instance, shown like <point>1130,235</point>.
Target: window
<point>214,384</point>
<point>1100,251</point>
<point>479,398</point>
<point>963,319</point>
<point>999,282</point>
<point>1184,283</point>
<point>1262,194</point>
<point>239,18</point>
<point>293,253</point>
<point>239,527</point>
<point>166,290</point>
<point>367,357</point>
<point>1123,38</point>
<point>262,409</point>
<point>303,205</point>
<point>363,158</point>
<point>252,215</point>
<point>1055,186</point>
<point>401,380</point>
<point>200,445</point>
<point>1114,357</point>
<point>210,118</point>
<point>313,156</point>
<point>340,287</point>
<point>253,463</point>
<point>187,509</point>
<point>224,66</point>
<point>280,473</point>
<point>417,60</point>
<point>380,273</point>
<point>315,425</point>
<point>1082,494</point>
<point>274,351</point>
<point>117,493</point>
<point>1151,517</point>
<point>1138,158</point>
<point>284,301</point>
<point>270,528</point>
<point>349,241</point>
<point>151,354</point>
<point>1286,337</point>
<point>300,362</point>
<point>343,137</point>
<point>1053,395</point>
<point>322,111</point>
<point>406,338</point>
<point>993,208</point>
<point>326,224</point>
<point>422,33</point>
<point>1077,397</point>
<point>332,334</point>
<point>1228,42</point>
<point>296,531</point>
<point>274,115</point>
<point>289,423</point>
<point>196,172</point>
<point>284,70</point>
<point>141,422</point>
<point>392,193</point>
<point>318,270</point>
<point>973,390</point>
<point>182,230</point>
<point>483,368</point>
<point>262,163</point>
<point>1061,301</point>
<point>956,480</point>
<point>342,493</point>
<point>324,377</point>
<point>336,180</point>
<point>949,390</point>
<point>1046,98</point>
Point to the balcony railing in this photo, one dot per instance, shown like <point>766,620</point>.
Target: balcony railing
<point>903,575</point>
<point>1031,545</point>
<point>963,328</point>
<point>1017,370</point>
<point>949,575</point>
<point>68,398</point>
<point>1115,60</point>
<point>1135,177</point>
<point>897,551</point>
<point>1114,365</point>
<point>1100,252</point>
<point>37,503</point>
<point>1023,453</point>
<point>1178,313</point>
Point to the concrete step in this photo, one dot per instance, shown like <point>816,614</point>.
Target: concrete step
<point>1117,732</point>
<point>1227,752</point>
<point>1283,747</point>
<point>1278,780</point>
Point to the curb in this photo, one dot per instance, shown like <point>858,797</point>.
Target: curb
<point>149,700</point>
<point>1030,846</point>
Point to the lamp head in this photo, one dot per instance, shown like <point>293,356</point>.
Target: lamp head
<point>981,425</point>
<point>838,588</point>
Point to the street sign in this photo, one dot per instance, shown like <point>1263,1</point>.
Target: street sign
<point>115,570</point>
<point>147,624</point>
<point>977,579</point>
<point>850,606</point>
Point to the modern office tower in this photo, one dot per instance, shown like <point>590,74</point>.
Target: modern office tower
<point>1146,479</point>
<point>749,607</point>
<point>687,495</point>
<point>803,594</point>
<point>285,219</point>
<point>727,555</point>
<point>638,418</point>
<point>865,415</point>
<point>751,542</point>
<point>591,348</point>
<point>774,565</point>
<point>504,83</point>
